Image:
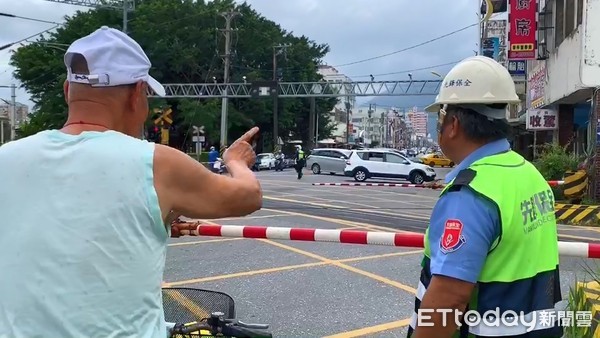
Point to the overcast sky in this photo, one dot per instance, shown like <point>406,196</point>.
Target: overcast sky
<point>354,29</point>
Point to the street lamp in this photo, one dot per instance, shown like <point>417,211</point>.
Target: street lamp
<point>436,74</point>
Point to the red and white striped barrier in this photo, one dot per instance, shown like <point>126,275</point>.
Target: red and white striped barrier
<point>378,185</point>
<point>398,239</point>
<point>404,185</point>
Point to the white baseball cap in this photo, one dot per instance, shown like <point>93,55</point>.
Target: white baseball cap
<point>113,59</point>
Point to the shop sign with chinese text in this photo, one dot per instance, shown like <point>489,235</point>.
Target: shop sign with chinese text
<point>536,87</point>
<point>517,67</point>
<point>522,32</point>
<point>542,119</point>
<point>496,31</point>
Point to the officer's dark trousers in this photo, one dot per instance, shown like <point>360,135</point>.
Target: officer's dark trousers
<point>299,167</point>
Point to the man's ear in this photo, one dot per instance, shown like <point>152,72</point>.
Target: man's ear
<point>66,90</point>
<point>453,127</point>
<point>135,95</point>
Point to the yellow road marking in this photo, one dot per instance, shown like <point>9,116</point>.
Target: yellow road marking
<point>363,206</point>
<point>206,241</point>
<point>341,221</point>
<point>344,266</point>
<point>244,274</point>
<point>372,329</point>
<point>286,268</point>
<point>188,304</point>
<point>367,211</point>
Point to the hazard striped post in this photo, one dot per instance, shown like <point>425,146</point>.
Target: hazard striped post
<point>396,239</point>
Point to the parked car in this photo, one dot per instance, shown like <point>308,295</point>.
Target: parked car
<point>364,164</point>
<point>328,160</point>
<point>265,161</point>
<point>437,159</point>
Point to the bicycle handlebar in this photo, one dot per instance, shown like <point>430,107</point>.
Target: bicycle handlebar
<point>216,324</point>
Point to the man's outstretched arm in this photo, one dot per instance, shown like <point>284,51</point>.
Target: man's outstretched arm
<point>187,188</point>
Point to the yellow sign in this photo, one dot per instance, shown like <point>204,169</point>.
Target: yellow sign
<point>165,116</point>
<point>522,47</point>
<point>164,136</point>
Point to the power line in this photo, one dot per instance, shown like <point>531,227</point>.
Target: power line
<point>408,48</point>
<point>27,38</point>
<point>27,18</point>
<point>407,71</point>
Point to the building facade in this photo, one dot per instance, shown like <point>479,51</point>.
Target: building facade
<point>419,122</point>
<point>342,112</point>
<point>564,80</point>
<point>21,116</point>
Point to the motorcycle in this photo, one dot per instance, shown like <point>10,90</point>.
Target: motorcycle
<point>279,164</point>
<point>187,315</point>
<point>219,166</point>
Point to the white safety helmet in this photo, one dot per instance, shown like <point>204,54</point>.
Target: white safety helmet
<point>299,147</point>
<point>477,80</point>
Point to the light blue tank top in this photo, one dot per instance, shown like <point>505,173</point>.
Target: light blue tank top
<point>82,242</point>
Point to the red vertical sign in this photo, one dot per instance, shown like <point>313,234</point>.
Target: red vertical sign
<point>522,31</point>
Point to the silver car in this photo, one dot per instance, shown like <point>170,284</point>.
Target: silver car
<point>328,160</point>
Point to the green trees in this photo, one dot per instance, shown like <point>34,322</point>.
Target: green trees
<point>182,39</point>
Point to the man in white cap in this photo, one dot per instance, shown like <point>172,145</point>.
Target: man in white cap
<point>85,209</point>
<point>491,246</point>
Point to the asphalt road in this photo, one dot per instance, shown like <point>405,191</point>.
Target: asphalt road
<point>307,289</point>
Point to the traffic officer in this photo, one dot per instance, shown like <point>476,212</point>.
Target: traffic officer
<point>492,239</point>
<point>300,160</point>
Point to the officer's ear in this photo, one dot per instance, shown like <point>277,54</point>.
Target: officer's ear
<point>451,124</point>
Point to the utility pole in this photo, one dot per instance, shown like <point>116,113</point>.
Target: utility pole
<point>125,11</point>
<point>13,111</point>
<point>277,50</point>
<point>229,16</point>
<point>348,131</point>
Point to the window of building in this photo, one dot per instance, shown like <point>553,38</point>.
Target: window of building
<point>570,17</point>
<point>559,23</point>
<point>548,24</point>
<point>579,12</point>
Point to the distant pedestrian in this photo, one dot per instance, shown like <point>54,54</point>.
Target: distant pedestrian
<point>300,160</point>
<point>213,155</point>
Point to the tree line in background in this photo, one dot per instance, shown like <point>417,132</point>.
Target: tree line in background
<point>183,41</point>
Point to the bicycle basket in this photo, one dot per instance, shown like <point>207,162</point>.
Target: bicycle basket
<point>185,305</point>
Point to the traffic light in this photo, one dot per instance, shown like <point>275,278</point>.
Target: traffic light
<point>153,134</point>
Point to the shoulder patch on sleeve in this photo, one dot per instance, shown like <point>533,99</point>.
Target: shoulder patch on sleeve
<point>452,238</point>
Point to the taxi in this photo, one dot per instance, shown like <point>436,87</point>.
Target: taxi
<point>437,159</point>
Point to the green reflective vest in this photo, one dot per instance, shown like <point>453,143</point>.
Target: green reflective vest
<point>521,268</point>
<point>300,154</point>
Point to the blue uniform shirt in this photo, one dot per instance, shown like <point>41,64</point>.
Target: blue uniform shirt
<point>212,156</point>
<point>478,218</point>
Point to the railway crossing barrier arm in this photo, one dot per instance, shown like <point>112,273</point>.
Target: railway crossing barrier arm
<point>397,239</point>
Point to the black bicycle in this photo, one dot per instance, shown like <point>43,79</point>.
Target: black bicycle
<point>204,313</point>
